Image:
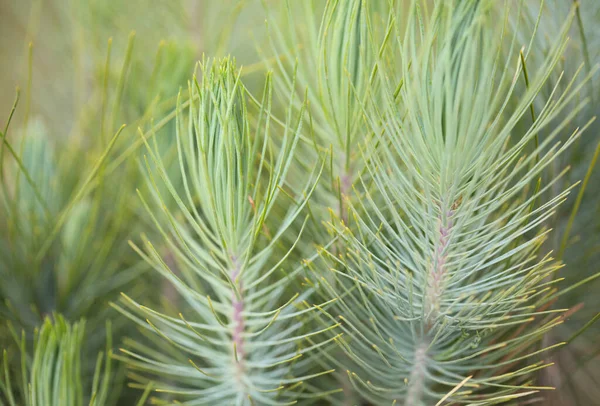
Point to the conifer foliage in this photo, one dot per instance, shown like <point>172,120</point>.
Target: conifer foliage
<point>363,203</point>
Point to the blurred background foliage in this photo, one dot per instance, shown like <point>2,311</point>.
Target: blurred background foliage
<point>80,70</point>
<point>83,68</point>
<point>576,372</point>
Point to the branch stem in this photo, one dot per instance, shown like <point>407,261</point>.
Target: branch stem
<point>416,382</point>
<point>238,322</point>
<point>435,283</point>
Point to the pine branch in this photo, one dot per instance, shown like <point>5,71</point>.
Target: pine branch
<point>240,341</point>
<point>53,374</point>
<point>442,266</point>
